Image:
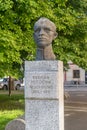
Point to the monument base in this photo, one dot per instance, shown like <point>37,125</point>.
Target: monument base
<point>44,105</point>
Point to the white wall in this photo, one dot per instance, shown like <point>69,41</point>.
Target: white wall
<point>69,73</point>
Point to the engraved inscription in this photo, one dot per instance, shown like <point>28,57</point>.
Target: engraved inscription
<point>41,84</point>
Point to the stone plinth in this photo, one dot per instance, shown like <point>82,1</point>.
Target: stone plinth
<point>44,108</point>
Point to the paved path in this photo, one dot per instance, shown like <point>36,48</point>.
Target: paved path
<point>75,89</point>
<point>76,110</point>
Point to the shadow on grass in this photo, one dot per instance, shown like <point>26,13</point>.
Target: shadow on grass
<point>13,102</point>
<point>10,108</point>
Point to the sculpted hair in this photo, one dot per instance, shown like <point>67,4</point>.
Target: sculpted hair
<point>43,19</point>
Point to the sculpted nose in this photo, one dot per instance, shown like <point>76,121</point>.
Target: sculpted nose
<point>41,32</point>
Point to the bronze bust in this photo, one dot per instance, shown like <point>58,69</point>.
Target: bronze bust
<point>44,34</point>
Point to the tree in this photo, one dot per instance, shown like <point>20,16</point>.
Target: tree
<point>17,18</point>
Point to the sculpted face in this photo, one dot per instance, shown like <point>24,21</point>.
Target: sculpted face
<point>44,32</point>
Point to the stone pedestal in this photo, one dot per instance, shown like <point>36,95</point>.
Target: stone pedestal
<point>44,105</point>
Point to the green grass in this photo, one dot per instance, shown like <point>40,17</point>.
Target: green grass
<point>10,107</point>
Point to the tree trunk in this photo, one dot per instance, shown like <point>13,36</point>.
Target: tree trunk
<point>10,85</point>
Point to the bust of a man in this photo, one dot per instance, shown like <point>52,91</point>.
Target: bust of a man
<point>44,34</point>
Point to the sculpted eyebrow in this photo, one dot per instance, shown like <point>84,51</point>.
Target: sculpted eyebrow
<point>48,29</point>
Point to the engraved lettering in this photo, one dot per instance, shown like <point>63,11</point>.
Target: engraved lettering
<point>41,84</point>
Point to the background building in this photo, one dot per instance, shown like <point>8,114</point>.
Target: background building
<point>75,76</point>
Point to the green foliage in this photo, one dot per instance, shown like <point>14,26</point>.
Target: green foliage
<point>17,18</point>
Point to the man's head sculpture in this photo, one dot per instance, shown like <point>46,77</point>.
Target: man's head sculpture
<point>44,34</point>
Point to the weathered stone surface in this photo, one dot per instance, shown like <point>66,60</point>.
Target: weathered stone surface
<point>42,79</point>
<point>42,115</point>
<point>41,65</point>
<point>44,108</point>
<point>16,124</point>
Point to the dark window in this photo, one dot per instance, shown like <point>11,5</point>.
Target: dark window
<point>76,73</point>
<point>86,77</point>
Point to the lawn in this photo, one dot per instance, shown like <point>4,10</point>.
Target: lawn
<point>11,107</point>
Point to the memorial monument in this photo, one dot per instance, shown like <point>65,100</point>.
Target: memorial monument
<point>44,105</point>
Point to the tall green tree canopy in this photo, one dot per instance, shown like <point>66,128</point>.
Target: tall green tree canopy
<point>17,18</point>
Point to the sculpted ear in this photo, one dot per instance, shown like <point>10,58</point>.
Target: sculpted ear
<point>55,35</point>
